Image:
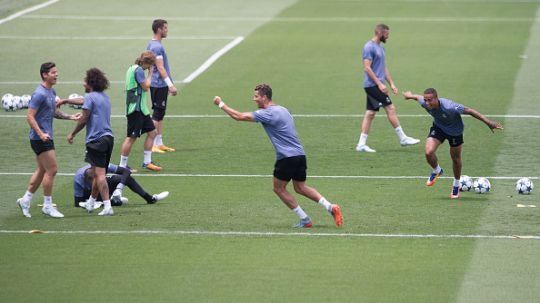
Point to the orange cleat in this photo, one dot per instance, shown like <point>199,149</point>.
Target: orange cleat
<point>151,166</point>
<point>336,213</point>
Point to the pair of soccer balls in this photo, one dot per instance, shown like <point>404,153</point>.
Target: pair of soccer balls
<point>524,186</point>
<point>11,103</point>
<point>480,185</point>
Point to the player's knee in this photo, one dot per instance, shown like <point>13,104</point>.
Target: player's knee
<point>158,114</point>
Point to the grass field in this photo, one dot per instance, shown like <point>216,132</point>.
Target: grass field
<point>223,235</point>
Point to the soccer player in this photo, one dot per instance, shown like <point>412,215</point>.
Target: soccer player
<point>161,85</point>
<point>82,186</point>
<point>96,116</point>
<point>41,111</point>
<point>375,75</point>
<point>138,115</point>
<point>447,124</point>
<point>290,157</point>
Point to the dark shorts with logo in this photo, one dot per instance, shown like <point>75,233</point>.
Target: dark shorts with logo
<point>291,168</point>
<point>439,134</point>
<point>159,96</point>
<point>375,98</point>
<point>98,152</point>
<point>139,124</point>
<point>39,146</point>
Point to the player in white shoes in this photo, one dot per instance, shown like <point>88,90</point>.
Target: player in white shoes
<point>119,178</point>
<point>375,75</point>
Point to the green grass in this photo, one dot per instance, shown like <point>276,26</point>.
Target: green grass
<point>310,54</point>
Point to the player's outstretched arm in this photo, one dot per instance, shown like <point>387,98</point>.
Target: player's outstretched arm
<point>491,124</point>
<point>408,95</point>
<point>236,115</point>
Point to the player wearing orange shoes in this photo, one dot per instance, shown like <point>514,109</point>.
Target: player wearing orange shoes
<point>290,157</point>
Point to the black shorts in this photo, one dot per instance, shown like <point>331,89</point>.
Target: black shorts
<point>139,124</point>
<point>159,97</point>
<point>375,98</point>
<point>439,134</point>
<point>38,146</point>
<point>98,152</point>
<point>291,168</point>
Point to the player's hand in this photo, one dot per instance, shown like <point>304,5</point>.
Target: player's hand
<point>217,100</point>
<point>70,138</point>
<point>383,88</point>
<point>407,95</point>
<point>44,137</point>
<point>76,116</point>
<point>495,125</point>
<point>173,91</point>
<point>394,89</point>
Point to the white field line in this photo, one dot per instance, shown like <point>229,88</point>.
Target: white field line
<point>213,59</point>
<point>201,69</point>
<point>315,116</point>
<point>286,19</point>
<point>268,234</point>
<point>113,38</point>
<point>269,176</point>
<point>28,10</point>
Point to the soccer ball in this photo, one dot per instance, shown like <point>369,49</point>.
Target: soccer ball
<point>7,102</point>
<point>17,102</point>
<point>524,186</point>
<point>25,100</point>
<point>73,96</point>
<point>482,185</point>
<point>465,183</point>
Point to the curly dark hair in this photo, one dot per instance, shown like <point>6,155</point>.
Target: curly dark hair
<point>96,79</point>
<point>264,90</point>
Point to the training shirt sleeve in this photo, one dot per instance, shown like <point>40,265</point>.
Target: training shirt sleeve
<point>367,53</point>
<point>459,108</point>
<point>158,50</point>
<point>88,104</point>
<point>262,116</point>
<point>422,102</point>
<point>139,75</point>
<point>36,100</point>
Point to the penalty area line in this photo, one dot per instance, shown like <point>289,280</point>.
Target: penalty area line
<point>267,234</point>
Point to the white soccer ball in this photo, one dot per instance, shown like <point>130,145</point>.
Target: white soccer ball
<point>17,102</point>
<point>7,102</point>
<point>524,186</point>
<point>482,185</point>
<point>25,100</point>
<point>465,183</point>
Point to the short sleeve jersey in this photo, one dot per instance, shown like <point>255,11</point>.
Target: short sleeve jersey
<point>279,125</point>
<point>43,100</point>
<point>157,48</point>
<point>447,117</point>
<point>375,53</point>
<point>99,121</point>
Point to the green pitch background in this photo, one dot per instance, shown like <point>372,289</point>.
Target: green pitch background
<point>480,53</point>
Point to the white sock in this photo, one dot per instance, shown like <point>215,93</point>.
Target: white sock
<point>437,169</point>
<point>123,161</point>
<point>147,156</point>
<point>120,186</point>
<point>400,133</point>
<point>47,201</point>
<point>158,140</point>
<point>91,199</point>
<point>325,204</point>
<point>107,204</point>
<point>456,182</point>
<point>363,139</point>
<point>300,212</point>
<point>27,197</point>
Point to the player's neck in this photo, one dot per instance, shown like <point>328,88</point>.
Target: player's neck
<point>46,84</point>
<point>376,40</point>
<point>157,38</point>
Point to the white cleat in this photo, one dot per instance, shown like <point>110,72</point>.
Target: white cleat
<point>108,211</point>
<point>409,141</point>
<point>364,148</point>
<point>124,200</point>
<point>160,196</point>
<point>97,204</point>
<point>25,207</point>
<point>90,206</point>
<point>52,212</point>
